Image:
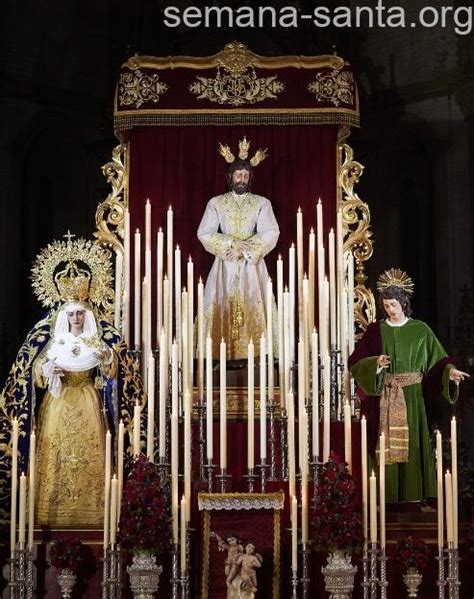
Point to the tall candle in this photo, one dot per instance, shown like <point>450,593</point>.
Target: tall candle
<point>159,284</point>
<point>291,289</point>
<point>148,277</point>
<point>263,401</point>
<point>126,270</point>
<point>150,437</point>
<point>311,276</point>
<point>332,287</point>
<point>269,335</point>
<point>166,308</point>
<point>177,296</point>
<point>315,393</point>
<point>184,340</point>
<point>147,224</point>
<point>118,290</point>
<point>373,508</point>
<point>300,258</point>
<point>364,475</point>
<point>223,406</point>
<point>348,435</point>
<point>200,339</point>
<point>454,478</point>
<point>113,509</point>
<point>301,401</point>
<point>448,491</point>
<point>287,345</point>
<point>281,343</point>
<point>327,408</point>
<point>120,457</point>
<point>174,475</point>
<point>251,408</point>
<point>322,307</point>
<point>183,537</point>
<point>136,430</point>
<point>174,378</point>
<point>190,320</point>
<point>163,397</point>
<point>22,512</point>
<point>31,489</point>
<point>14,479</point>
<point>209,400</point>
<point>294,534</point>
<point>108,471</point>
<point>306,333</point>
<point>145,325</point>
<point>137,290</point>
<point>339,258</point>
<point>169,272</point>
<point>439,486</point>
<point>382,489</point>
<point>350,302</point>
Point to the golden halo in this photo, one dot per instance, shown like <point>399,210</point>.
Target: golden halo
<point>395,277</point>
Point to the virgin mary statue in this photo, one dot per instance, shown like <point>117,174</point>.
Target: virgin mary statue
<point>72,380</point>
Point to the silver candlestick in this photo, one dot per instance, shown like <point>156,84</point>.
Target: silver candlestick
<point>383,584</point>
<point>223,477</point>
<point>271,413</point>
<point>263,466</point>
<point>209,467</point>
<point>441,582</point>
<point>251,479</point>
<point>174,572</point>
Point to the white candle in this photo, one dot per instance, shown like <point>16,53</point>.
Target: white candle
<point>263,401</point>
<point>148,277</point>
<point>120,457</point>
<point>332,287</point>
<point>311,276</point>
<point>364,475</point>
<point>281,343</point>
<point>448,491</point>
<point>159,284</point>
<point>287,345</point>
<point>22,512</point>
<point>163,397</point>
<point>439,486</point>
<point>291,444</point>
<point>350,302</point>
<point>327,408</point>
<point>150,437</point>
<point>174,475</point>
<point>322,307</point>
<point>200,339</point>
<point>137,290</point>
<point>184,340</point>
<point>136,430</point>
<point>300,263</point>
<point>270,338</point>
<point>126,270</point>
<point>118,290</point>
<point>113,509</point>
<point>14,479</point>
<point>188,408</point>
<point>373,508</point>
<point>190,289</point>
<point>294,534</point>
<point>183,536</point>
<point>209,400</point>
<point>108,471</point>
<point>306,333</point>
<point>348,435</point>
<point>301,401</point>
<point>315,393</point>
<point>177,296</point>
<point>166,311</point>
<point>31,490</point>
<point>223,407</point>
<point>339,254</point>
<point>169,271</point>
<point>250,407</point>
<point>147,224</point>
<point>174,378</point>
<point>454,478</point>
<point>382,489</point>
<point>145,325</point>
<point>291,289</point>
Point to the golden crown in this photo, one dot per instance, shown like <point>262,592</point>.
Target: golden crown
<point>244,146</point>
<point>395,277</point>
<point>73,284</point>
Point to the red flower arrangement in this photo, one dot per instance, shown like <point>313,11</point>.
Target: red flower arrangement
<point>412,552</point>
<point>67,553</point>
<point>145,516</point>
<point>337,524</point>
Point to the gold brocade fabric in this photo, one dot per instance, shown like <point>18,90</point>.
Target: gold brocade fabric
<point>71,455</point>
<point>393,415</point>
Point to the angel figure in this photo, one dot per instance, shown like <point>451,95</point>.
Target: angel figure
<point>242,579</point>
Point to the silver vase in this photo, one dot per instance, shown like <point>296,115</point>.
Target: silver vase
<point>412,580</point>
<point>66,581</point>
<point>144,575</point>
<point>339,575</point>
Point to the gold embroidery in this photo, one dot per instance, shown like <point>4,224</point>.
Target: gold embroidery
<point>137,88</point>
<point>336,87</point>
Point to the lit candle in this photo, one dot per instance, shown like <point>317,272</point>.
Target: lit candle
<point>327,408</point>
<point>300,258</point>
<point>373,508</point>
<point>270,338</point>
<point>454,478</point>
<point>311,276</point>
<point>163,398</point>
<point>200,339</point>
<point>315,393</point>
<point>294,534</point>
<point>448,491</point>
<point>183,536</point>
<point>14,479</point>
<point>147,224</point>
<point>174,475</point>
<point>150,437</point>
<point>250,407</point>
<point>108,471</point>
<point>439,485</point>
<point>348,435</point>
<point>136,430</point>
<point>120,456</point>
<point>188,407</point>
<point>22,510</point>
<point>209,400</point>
<point>223,407</point>
<point>137,292</point>
<point>148,277</point>
<point>382,489</point>
<point>31,490</point>
<point>113,510</point>
<point>159,284</point>
<point>364,474</point>
<point>263,401</point>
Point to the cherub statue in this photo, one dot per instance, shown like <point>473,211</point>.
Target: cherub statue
<point>233,547</point>
<point>243,574</point>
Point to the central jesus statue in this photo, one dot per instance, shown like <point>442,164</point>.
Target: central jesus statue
<point>239,229</point>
